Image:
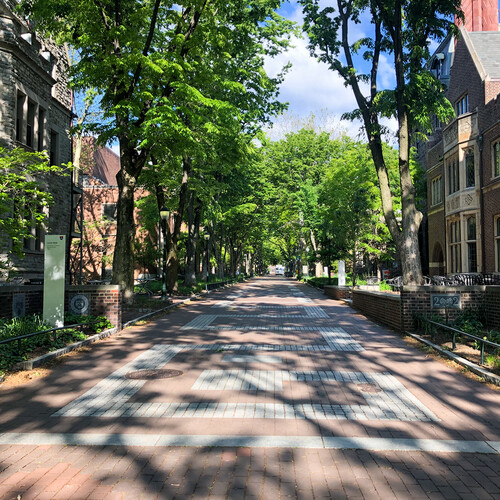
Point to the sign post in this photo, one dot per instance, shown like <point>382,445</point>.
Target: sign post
<point>341,273</point>
<point>53,279</point>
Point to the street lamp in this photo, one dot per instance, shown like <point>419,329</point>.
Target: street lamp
<point>235,255</point>
<point>207,237</point>
<point>164,216</point>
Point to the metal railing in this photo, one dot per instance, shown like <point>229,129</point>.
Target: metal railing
<point>431,326</point>
<point>43,332</point>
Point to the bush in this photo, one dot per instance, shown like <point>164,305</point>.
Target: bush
<point>469,322</point>
<point>15,352</point>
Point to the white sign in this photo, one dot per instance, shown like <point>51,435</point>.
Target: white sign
<point>341,273</point>
<point>53,279</point>
<point>325,271</point>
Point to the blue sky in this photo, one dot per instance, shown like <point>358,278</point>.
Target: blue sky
<point>310,87</point>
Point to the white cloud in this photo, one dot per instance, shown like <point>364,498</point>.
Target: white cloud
<point>312,88</point>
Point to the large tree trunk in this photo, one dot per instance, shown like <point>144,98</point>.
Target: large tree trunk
<point>123,258</point>
<point>173,235</point>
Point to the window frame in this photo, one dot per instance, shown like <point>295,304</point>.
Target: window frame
<point>455,246</point>
<point>469,154</point>
<point>437,190</point>
<point>471,243</point>
<point>495,157</point>
<point>496,228</point>
<point>462,105</point>
<point>453,171</point>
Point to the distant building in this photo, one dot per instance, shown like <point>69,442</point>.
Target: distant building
<point>462,158</point>
<point>35,114</point>
<point>98,169</point>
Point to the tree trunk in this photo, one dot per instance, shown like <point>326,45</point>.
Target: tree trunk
<point>190,274</point>
<point>173,235</point>
<point>123,258</point>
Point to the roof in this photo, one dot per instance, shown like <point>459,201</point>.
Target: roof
<point>100,162</point>
<point>487,47</point>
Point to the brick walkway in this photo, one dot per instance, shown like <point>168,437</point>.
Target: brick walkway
<point>283,393</point>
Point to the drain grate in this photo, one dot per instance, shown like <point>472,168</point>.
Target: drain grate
<point>152,374</point>
<point>368,388</point>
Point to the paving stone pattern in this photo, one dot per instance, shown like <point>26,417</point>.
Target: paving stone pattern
<point>282,394</point>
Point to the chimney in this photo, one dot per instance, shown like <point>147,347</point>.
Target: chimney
<point>480,15</point>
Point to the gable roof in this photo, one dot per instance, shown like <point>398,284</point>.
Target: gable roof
<point>486,46</point>
<point>99,162</point>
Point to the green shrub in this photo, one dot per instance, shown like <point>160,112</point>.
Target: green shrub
<point>15,352</point>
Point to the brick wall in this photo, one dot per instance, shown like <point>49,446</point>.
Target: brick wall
<point>398,311</point>
<point>492,300</point>
<point>380,306</point>
<point>104,300</point>
<point>33,297</point>
<point>337,293</point>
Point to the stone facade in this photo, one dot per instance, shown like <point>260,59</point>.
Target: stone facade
<point>35,114</point>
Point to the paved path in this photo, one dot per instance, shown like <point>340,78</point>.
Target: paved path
<point>283,393</point>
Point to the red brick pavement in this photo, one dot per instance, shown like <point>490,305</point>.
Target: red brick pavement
<point>466,410</point>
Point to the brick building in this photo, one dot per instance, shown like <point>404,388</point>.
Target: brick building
<point>462,158</point>
<point>99,166</point>
<point>35,114</point>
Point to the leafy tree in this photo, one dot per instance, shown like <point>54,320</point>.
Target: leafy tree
<point>402,29</point>
<point>24,196</point>
<point>158,67</point>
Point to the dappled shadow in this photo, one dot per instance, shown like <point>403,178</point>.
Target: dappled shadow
<point>467,411</point>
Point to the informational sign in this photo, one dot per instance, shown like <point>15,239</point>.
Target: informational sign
<point>325,271</point>
<point>305,270</point>
<point>18,305</point>
<point>53,279</point>
<point>341,273</point>
<point>445,301</point>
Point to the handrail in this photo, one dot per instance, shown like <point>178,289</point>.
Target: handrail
<point>455,332</point>
<point>41,332</point>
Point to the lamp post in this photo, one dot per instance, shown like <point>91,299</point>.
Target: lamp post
<point>235,256</point>
<point>207,237</point>
<point>164,216</point>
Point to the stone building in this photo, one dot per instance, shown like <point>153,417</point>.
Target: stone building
<point>462,158</point>
<point>35,114</point>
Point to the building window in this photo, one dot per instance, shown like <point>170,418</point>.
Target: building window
<point>19,116</point>
<point>497,242</point>
<point>41,129</point>
<point>453,176</point>
<point>470,170</point>
<point>54,148</point>
<point>471,245</point>
<point>437,190</point>
<point>109,212</point>
<point>462,105</point>
<point>496,159</point>
<point>30,124</point>
<point>455,247</point>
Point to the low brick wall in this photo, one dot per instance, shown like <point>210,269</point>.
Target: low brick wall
<point>398,310</point>
<point>33,299</point>
<point>104,300</point>
<point>417,300</point>
<point>380,306</point>
<point>492,301</point>
<point>337,292</point>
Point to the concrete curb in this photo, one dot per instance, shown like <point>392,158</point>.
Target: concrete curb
<point>488,376</point>
<point>35,362</point>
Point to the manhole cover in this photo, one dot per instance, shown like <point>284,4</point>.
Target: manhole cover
<point>152,374</point>
<point>368,388</point>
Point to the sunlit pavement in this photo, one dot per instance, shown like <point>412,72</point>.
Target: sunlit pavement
<point>273,391</point>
